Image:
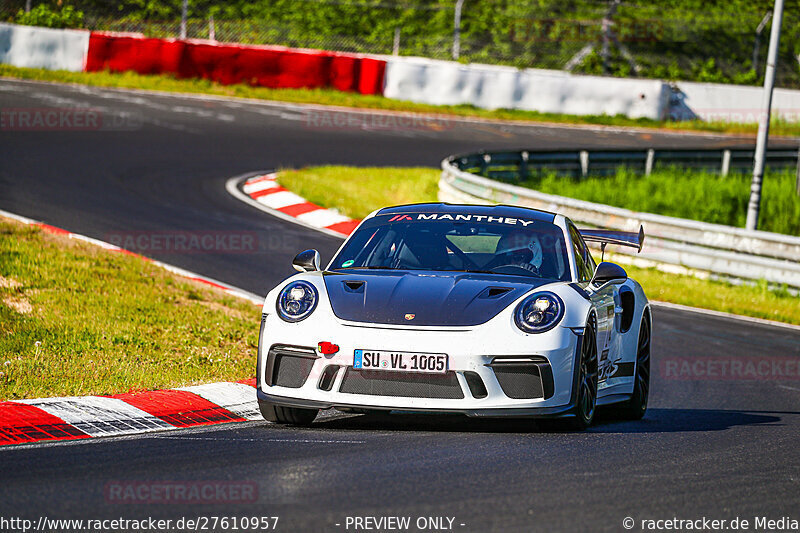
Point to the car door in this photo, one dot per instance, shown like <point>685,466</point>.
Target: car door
<point>604,302</point>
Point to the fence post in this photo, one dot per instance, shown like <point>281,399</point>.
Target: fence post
<point>27,6</point>
<point>648,164</point>
<point>184,17</point>
<point>396,43</point>
<point>212,29</point>
<point>726,162</point>
<point>457,30</point>
<point>606,23</point>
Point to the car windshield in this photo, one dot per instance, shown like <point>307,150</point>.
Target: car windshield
<point>412,242</point>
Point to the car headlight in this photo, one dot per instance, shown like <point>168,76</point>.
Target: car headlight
<point>296,301</point>
<point>539,312</point>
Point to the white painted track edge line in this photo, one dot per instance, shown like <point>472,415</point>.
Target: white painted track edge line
<point>19,218</point>
<point>232,186</point>
<point>723,314</point>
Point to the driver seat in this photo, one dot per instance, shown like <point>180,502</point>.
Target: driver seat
<point>428,249</point>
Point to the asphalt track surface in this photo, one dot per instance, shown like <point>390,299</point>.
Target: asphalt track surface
<point>718,448</point>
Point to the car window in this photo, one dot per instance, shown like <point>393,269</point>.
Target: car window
<point>480,243</point>
<point>583,258</point>
<point>496,245</point>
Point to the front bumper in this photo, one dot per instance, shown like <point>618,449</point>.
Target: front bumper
<point>507,364</point>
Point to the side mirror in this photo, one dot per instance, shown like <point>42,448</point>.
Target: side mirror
<point>307,261</point>
<point>609,273</point>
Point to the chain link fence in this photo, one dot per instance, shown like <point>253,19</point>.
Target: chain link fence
<point>677,39</point>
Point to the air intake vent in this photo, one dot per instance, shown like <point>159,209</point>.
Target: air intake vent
<point>354,286</point>
<point>494,292</point>
<point>524,377</point>
<point>476,386</point>
<point>328,376</point>
<point>409,385</point>
<point>289,366</point>
<point>520,382</point>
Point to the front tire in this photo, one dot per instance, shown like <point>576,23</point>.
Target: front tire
<point>280,414</point>
<point>582,414</point>
<point>586,401</point>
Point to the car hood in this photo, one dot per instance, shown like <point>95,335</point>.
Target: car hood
<point>423,298</point>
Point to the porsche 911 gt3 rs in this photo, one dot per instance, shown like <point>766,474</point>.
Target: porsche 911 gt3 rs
<point>488,311</point>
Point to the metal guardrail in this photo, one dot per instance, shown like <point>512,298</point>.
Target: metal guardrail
<point>717,249</point>
<point>513,166</point>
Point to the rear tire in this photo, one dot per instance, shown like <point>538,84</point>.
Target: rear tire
<point>635,408</point>
<point>280,414</point>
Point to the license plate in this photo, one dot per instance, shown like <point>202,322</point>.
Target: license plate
<point>427,363</point>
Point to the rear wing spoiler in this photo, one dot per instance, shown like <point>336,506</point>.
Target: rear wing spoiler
<point>623,238</point>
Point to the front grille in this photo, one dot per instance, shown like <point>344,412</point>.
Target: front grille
<point>520,381</point>
<point>289,366</point>
<point>402,384</point>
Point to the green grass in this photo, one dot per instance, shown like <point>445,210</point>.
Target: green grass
<point>77,320</point>
<point>694,195</point>
<point>165,83</point>
<point>758,300</point>
<point>359,191</point>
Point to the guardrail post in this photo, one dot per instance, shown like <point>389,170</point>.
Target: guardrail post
<point>485,160</point>
<point>584,157</point>
<point>797,178</point>
<point>648,163</point>
<point>726,162</point>
<point>523,165</point>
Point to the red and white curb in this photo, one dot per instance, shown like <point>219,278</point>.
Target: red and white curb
<point>72,418</point>
<point>263,192</point>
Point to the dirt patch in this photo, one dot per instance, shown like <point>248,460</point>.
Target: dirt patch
<point>20,305</point>
<point>9,283</point>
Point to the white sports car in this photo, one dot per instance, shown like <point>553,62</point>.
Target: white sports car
<point>483,310</point>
